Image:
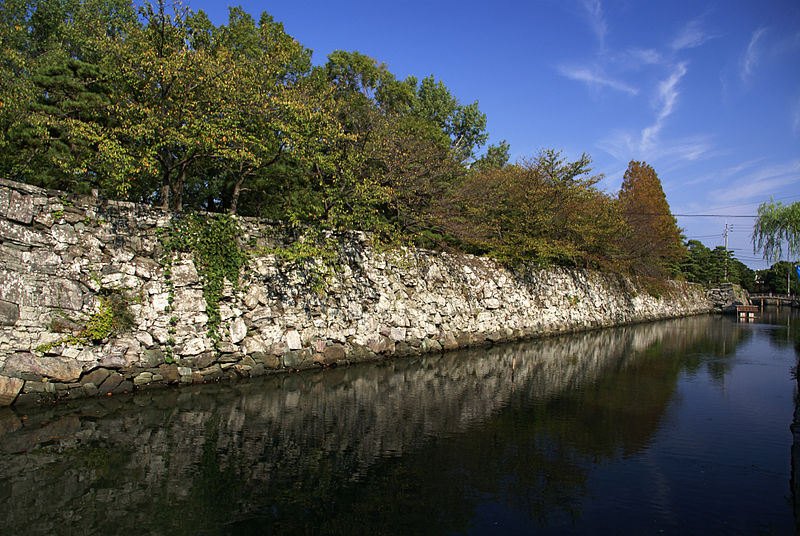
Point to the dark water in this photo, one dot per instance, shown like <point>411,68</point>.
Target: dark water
<point>676,427</point>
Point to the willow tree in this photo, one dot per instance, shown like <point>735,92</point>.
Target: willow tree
<point>777,225</point>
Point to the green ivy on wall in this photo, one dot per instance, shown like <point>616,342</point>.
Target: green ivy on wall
<point>213,239</point>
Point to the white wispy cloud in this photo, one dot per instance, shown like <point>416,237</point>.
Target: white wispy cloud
<point>595,77</point>
<point>692,35</point>
<point>751,55</point>
<point>725,174</point>
<point>597,20</point>
<point>625,146</point>
<point>760,183</point>
<point>667,97</point>
<point>644,56</point>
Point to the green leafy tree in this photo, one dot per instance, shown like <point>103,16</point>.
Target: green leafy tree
<point>56,90</point>
<point>711,267</point>
<point>268,106</point>
<point>774,279</point>
<point>464,125</point>
<point>496,157</point>
<point>170,99</point>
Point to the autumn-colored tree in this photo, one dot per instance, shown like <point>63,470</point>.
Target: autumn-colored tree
<point>543,209</point>
<point>652,244</point>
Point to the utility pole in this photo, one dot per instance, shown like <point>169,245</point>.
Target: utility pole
<point>726,251</point>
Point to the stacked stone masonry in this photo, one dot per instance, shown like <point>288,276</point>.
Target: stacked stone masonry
<point>58,252</point>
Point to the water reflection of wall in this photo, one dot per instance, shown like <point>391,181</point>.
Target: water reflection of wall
<point>185,458</point>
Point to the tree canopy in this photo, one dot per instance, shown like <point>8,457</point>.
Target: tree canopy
<point>158,104</point>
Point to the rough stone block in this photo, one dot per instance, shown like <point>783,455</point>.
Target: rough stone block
<point>238,330</point>
<point>184,274</point>
<point>112,384</point>
<point>334,353</point>
<point>297,359</point>
<point>449,341</point>
<point>62,293</point>
<point>5,197</point>
<point>20,208</point>
<point>63,370</point>
<point>380,344</point>
<point>189,300</point>
<point>20,235</point>
<point>269,361</point>
<point>90,389</point>
<point>9,313</point>
<point>153,357</point>
<point>226,347</point>
<point>9,389</point>
<point>201,361</point>
<point>193,347</point>
<point>124,387</point>
<point>403,349</point>
<point>292,338</point>
<point>430,345</point>
<point>143,378</point>
<point>230,357</point>
<point>360,353</point>
<point>97,376</point>
<point>214,372</point>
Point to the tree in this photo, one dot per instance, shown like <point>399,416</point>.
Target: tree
<point>496,157</point>
<point>652,244</point>
<point>54,90</point>
<point>543,209</point>
<point>170,99</point>
<point>710,267</point>
<point>465,126</point>
<point>777,225</point>
<point>775,277</point>
<point>268,106</point>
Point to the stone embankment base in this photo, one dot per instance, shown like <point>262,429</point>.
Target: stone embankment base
<point>62,255</point>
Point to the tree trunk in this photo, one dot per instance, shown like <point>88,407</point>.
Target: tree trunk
<point>165,195</point>
<point>237,189</point>
<point>177,189</point>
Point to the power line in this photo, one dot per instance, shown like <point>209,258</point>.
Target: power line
<point>713,216</point>
<point>690,215</point>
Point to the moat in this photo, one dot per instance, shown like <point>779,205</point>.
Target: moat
<point>671,427</point>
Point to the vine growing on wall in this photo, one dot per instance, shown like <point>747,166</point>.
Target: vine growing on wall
<point>214,242</point>
<point>314,252</point>
<point>113,316</point>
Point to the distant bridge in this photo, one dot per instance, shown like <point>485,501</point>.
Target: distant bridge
<point>774,299</point>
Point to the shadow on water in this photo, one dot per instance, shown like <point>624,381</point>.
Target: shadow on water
<point>420,445</point>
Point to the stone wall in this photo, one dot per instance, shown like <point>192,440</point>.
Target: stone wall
<point>726,295</point>
<point>60,252</point>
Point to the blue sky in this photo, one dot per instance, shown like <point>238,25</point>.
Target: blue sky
<point>708,93</point>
